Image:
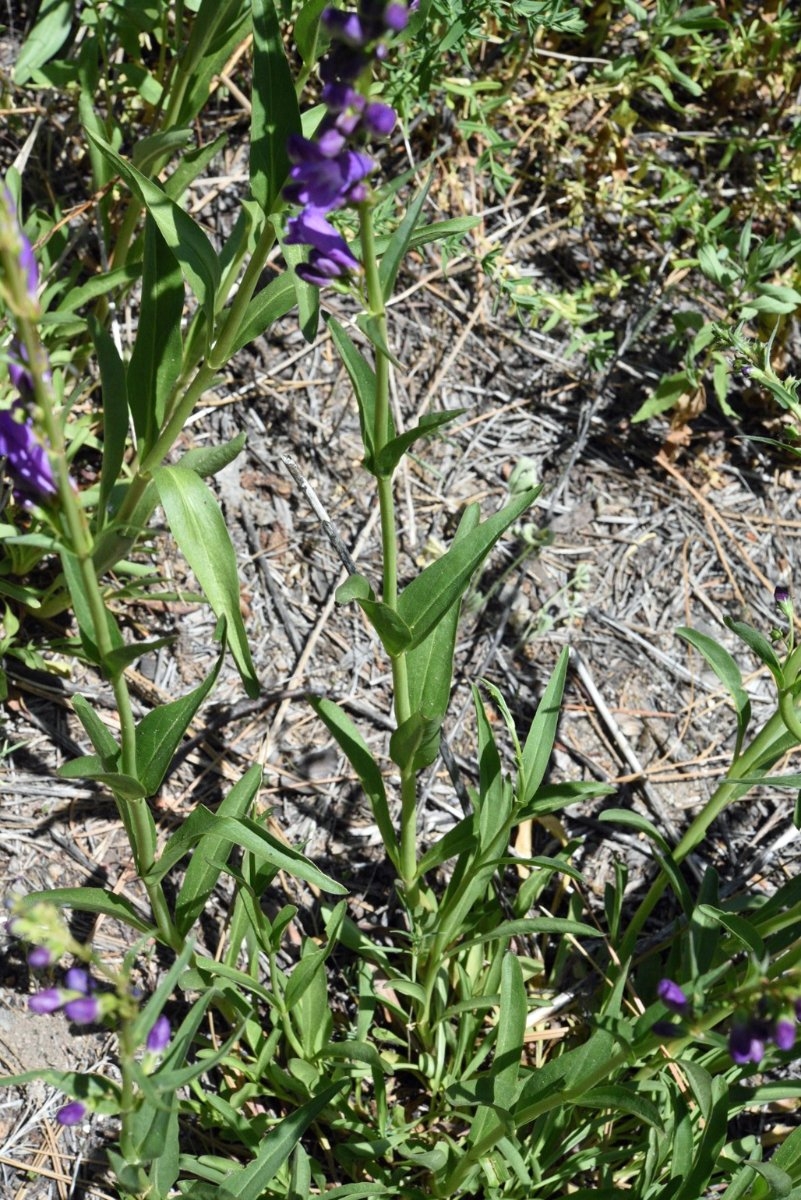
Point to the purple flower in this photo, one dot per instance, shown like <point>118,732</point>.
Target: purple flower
<point>781,596</point>
<point>83,1011</point>
<point>39,958</point>
<point>396,17</point>
<point>77,979</point>
<point>747,1042</point>
<point>310,228</point>
<point>379,119</point>
<point>320,180</point>
<point>26,459</point>
<point>784,1034</point>
<point>159,1036</point>
<point>672,996</point>
<point>344,27</point>
<point>343,64</point>
<point>46,1001</point>
<point>71,1114</point>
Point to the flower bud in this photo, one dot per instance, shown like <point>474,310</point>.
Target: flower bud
<point>71,1114</point>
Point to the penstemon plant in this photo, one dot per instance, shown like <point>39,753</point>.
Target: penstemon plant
<point>449,1072</point>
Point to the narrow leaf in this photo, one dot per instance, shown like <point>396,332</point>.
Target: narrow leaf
<point>727,672</point>
<point>393,451</point>
<point>156,359</point>
<point>399,242</point>
<point>275,113</point>
<point>355,749</point>
<point>428,597</point>
<point>542,732</point>
<point>202,536</point>
<point>115,413</point>
<point>159,734</point>
<point>184,237</point>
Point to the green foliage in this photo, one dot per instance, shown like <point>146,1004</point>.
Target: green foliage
<point>445,1052</point>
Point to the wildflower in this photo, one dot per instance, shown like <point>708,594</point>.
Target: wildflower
<point>672,996</point>
<point>46,1001</point>
<point>159,1036</point>
<point>330,171</point>
<point>71,1114</point>
<point>14,241</point>
<point>747,1041</point>
<point>84,1010</point>
<point>784,1034</point>
<point>26,458</point>
<point>39,958</point>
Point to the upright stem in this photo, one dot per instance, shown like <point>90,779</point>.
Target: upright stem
<point>389,548</point>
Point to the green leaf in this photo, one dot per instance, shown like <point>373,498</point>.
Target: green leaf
<point>399,242</point>
<point>355,749</point>
<point>202,536</point>
<point>200,877</point>
<point>739,928</point>
<point>362,376</point>
<point>210,460</point>
<point>670,390</point>
<point>97,900</point>
<point>275,113</point>
<point>155,363</point>
<point>115,413</point>
<point>159,734</point>
<point>184,237</point>
<point>393,451</point>
<point>428,597</point>
<point>123,656</point>
<point>760,645</point>
<point>429,665</point>
<point>393,631</point>
<point>727,672</point>
<point>52,28</point>
<point>411,741</point>
<point>84,614</point>
<point>538,746</point>
<point>267,306</point>
<point>248,835</point>
<point>306,31</point>
<point>249,1183</point>
<point>100,735</point>
<point>622,1098</point>
<point>219,27</point>
<point>306,294</point>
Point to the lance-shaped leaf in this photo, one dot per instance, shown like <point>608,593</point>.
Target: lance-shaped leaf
<point>428,597</point>
<point>184,237</point>
<point>159,734</point>
<point>275,113</point>
<point>202,535</point>
<point>156,359</point>
<point>727,672</point>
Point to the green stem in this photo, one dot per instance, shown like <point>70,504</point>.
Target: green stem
<point>135,817</point>
<point>389,548</point>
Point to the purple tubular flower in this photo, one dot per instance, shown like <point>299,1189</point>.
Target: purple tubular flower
<point>396,17</point>
<point>83,1011</point>
<point>784,1034</point>
<point>71,1114</point>
<point>77,979</point>
<point>747,1043</point>
<point>46,1001</point>
<point>343,64</point>
<point>780,595</point>
<point>344,27</point>
<point>321,181</point>
<point>26,459</point>
<point>379,119</point>
<point>310,228</point>
<point>159,1036</point>
<point>39,958</point>
<point>672,996</point>
<point>339,96</point>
